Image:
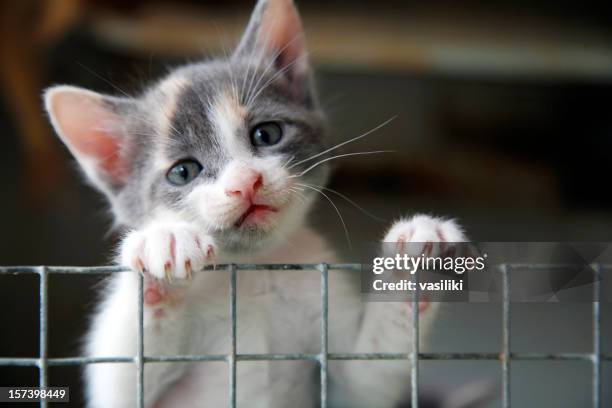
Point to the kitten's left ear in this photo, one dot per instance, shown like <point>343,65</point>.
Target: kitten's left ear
<point>275,31</point>
<point>93,127</point>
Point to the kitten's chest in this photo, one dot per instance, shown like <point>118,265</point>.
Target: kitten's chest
<point>277,312</point>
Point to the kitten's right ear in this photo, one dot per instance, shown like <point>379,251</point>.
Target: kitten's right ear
<point>93,127</point>
<point>275,31</point>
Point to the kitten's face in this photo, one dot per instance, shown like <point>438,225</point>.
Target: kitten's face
<point>224,144</point>
<point>217,159</point>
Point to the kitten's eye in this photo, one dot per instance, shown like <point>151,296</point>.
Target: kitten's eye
<point>266,134</point>
<point>183,172</point>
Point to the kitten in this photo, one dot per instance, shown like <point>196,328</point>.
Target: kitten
<point>213,164</point>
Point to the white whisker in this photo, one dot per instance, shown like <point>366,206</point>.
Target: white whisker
<point>346,142</point>
<point>258,58</point>
<point>255,89</point>
<point>284,166</point>
<point>299,195</point>
<point>353,203</point>
<point>274,77</point>
<point>338,157</point>
<point>348,239</point>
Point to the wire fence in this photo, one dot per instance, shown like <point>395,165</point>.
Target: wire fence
<point>505,356</point>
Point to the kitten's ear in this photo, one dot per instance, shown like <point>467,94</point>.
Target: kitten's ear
<point>275,31</point>
<point>93,128</point>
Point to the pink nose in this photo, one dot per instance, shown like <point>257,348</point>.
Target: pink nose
<point>246,187</point>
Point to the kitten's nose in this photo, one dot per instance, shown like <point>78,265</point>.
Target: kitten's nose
<point>246,187</point>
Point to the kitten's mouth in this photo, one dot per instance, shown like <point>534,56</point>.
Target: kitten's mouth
<point>254,212</point>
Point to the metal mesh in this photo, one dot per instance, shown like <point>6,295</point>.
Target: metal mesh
<point>505,357</point>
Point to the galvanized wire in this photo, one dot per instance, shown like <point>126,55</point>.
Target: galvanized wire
<point>140,344</point>
<point>597,337</point>
<point>324,333</point>
<point>43,332</point>
<point>78,361</point>
<point>414,356</point>
<point>504,357</point>
<point>231,358</point>
<point>506,325</point>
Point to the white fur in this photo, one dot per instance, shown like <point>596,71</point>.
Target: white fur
<point>424,228</point>
<point>277,312</point>
<point>220,210</point>
<point>151,249</point>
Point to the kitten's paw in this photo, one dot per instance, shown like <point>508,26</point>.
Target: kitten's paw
<point>423,234</point>
<point>167,251</point>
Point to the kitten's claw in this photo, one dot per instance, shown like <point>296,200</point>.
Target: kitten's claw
<point>138,265</point>
<point>188,269</point>
<point>168,271</point>
<point>167,251</point>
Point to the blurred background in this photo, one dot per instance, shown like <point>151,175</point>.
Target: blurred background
<point>502,121</point>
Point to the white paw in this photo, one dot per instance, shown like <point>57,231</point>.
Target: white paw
<point>167,251</point>
<point>423,234</point>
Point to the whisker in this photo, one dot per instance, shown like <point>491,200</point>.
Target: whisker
<point>225,49</point>
<point>338,157</point>
<point>267,194</point>
<point>103,79</point>
<point>299,195</point>
<point>258,58</point>
<point>353,203</point>
<point>270,64</point>
<point>274,78</point>
<point>284,166</point>
<point>253,56</point>
<point>346,233</point>
<point>346,142</point>
<point>242,87</point>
